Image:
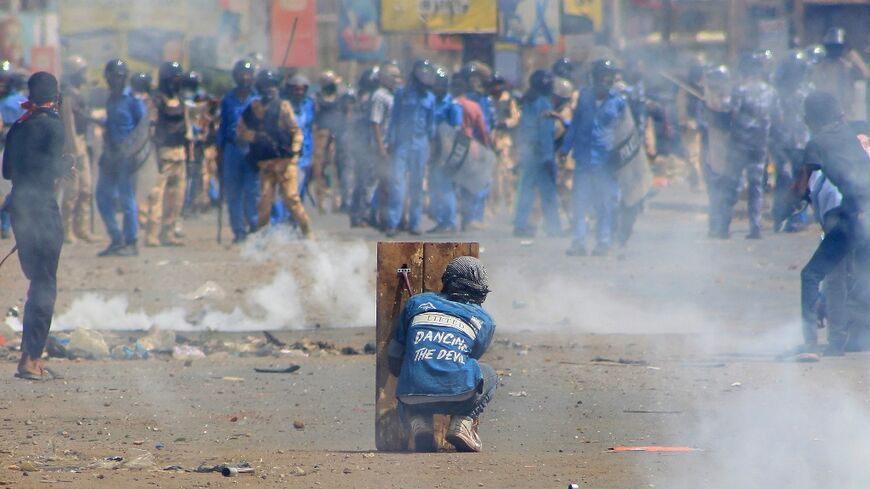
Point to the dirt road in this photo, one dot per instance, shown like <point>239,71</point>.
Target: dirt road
<point>696,323</point>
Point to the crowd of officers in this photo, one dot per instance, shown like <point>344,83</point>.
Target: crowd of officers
<point>272,142</point>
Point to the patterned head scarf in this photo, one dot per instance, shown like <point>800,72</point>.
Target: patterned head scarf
<point>465,280</point>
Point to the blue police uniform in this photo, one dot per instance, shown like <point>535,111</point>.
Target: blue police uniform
<point>305,114</point>
<point>537,160</point>
<point>241,180</point>
<point>412,126</point>
<point>440,343</point>
<point>590,137</point>
<point>753,107</point>
<point>789,136</point>
<point>442,193</point>
<point>117,179</point>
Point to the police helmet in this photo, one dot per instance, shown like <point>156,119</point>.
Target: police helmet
<point>563,68</point>
<point>116,68</point>
<point>256,59</point>
<point>442,78</point>
<point>816,53</point>
<point>604,70</point>
<point>192,81</point>
<point>793,68</point>
<point>298,80</point>
<point>266,79</point>
<point>541,81</point>
<point>423,73</point>
<point>242,66</point>
<point>74,64</point>
<point>327,77</point>
<point>169,70</point>
<point>834,36</point>
<point>141,82</point>
<point>719,75</point>
<point>476,69</point>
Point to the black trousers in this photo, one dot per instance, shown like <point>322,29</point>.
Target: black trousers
<point>39,235</point>
<point>845,237</point>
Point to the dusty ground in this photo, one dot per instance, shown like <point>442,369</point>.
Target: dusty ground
<point>705,319</point>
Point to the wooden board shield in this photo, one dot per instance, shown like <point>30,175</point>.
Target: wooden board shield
<point>427,262</point>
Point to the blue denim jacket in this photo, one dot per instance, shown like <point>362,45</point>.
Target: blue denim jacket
<point>440,342</point>
<point>590,135</point>
<point>122,115</point>
<point>231,112</point>
<point>413,118</point>
<point>536,131</point>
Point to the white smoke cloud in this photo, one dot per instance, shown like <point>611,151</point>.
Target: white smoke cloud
<point>329,284</point>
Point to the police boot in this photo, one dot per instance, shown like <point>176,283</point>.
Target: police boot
<point>305,228</point>
<point>69,236</point>
<point>152,239</point>
<point>79,220</point>
<point>169,238</point>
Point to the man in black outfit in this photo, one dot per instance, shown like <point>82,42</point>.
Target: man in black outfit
<point>835,150</point>
<point>33,161</point>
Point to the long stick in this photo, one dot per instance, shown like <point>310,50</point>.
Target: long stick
<point>677,82</point>
<point>290,42</point>
<point>11,252</point>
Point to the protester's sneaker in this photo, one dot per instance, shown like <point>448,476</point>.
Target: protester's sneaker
<point>462,434</point>
<point>422,432</point>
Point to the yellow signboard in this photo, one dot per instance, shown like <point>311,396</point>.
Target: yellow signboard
<point>591,9</point>
<point>439,16</point>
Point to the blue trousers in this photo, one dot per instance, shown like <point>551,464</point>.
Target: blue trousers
<point>442,197</point>
<point>116,185</point>
<point>241,183</point>
<point>728,189</point>
<point>538,177</point>
<point>406,176</point>
<point>473,407</point>
<point>595,189</point>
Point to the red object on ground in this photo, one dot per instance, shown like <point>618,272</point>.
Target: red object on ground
<point>654,449</point>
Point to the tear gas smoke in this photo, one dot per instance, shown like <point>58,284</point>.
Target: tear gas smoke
<point>329,284</point>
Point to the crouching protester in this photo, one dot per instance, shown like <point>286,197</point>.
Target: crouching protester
<point>33,161</point>
<point>435,353</point>
<point>836,151</point>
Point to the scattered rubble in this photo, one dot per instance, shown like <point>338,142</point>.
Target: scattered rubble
<point>166,344</point>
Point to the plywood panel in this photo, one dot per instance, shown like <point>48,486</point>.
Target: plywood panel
<point>427,262</point>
